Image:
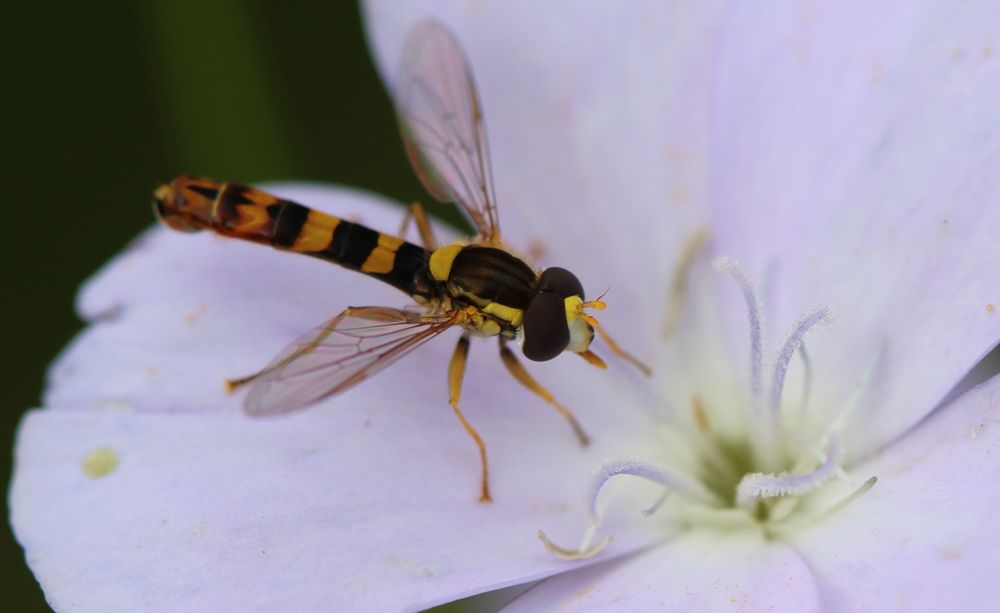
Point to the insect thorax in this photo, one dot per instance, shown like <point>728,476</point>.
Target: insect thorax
<point>497,283</point>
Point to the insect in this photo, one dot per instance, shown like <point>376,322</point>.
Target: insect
<point>478,285</point>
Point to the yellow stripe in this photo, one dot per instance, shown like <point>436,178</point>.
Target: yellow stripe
<point>509,314</point>
<point>316,233</point>
<point>252,217</point>
<point>383,257</point>
<point>442,259</point>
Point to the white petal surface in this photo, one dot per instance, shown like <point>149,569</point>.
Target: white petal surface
<point>855,166</point>
<point>699,571</point>
<point>328,510</point>
<point>366,501</point>
<point>923,539</point>
<point>598,126</point>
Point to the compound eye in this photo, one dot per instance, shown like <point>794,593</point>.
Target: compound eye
<point>560,281</point>
<point>546,333</point>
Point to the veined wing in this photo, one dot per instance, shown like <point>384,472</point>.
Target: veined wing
<point>344,351</point>
<point>442,125</point>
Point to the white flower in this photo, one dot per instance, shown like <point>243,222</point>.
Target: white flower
<point>845,156</point>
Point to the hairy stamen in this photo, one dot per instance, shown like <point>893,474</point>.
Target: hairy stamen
<point>822,314</point>
<point>674,481</point>
<point>806,382</point>
<point>735,270</point>
<point>756,486</point>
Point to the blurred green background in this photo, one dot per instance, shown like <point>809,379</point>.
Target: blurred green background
<point>103,101</point>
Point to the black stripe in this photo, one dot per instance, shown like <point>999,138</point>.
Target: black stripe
<point>291,216</point>
<point>352,244</point>
<point>409,271</point>
<point>208,192</point>
<point>226,215</point>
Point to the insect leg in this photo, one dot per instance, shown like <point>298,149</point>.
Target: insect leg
<point>456,370</point>
<point>416,213</point>
<point>517,370</point>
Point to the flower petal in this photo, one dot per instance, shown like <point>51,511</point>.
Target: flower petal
<point>699,571</point>
<point>371,508</point>
<point>597,121</point>
<point>923,537</point>
<point>855,167</point>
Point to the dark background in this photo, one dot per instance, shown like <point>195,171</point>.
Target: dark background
<point>99,105</point>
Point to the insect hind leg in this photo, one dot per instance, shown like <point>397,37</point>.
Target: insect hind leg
<point>517,370</point>
<point>416,213</point>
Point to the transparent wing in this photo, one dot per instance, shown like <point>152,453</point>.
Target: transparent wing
<point>337,355</point>
<point>442,125</point>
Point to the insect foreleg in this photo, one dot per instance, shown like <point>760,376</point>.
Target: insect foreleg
<point>516,369</point>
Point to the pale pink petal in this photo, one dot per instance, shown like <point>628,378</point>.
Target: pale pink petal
<point>924,538</point>
<point>328,510</point>
<point>370,507</point>
<point>699,571</point>
<point>598,126</point>
<point>855,166</point>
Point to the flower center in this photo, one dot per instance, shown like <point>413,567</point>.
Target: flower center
<point>761,476</point>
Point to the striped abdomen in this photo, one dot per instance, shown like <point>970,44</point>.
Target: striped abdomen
<point>191,204</point>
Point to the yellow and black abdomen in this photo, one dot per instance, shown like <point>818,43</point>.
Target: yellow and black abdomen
<point>192,204</point>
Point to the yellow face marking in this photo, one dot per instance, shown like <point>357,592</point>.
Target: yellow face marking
<point>442,259</point>
<point>252,218</point>
<point>509,314</point>
<point>574,304</point>
<point>316,233</point>
<point>382,257</point>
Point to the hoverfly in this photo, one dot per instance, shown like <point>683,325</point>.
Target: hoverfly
<point>478,285</point>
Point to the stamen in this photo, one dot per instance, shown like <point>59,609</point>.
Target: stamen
<point>585,551</point>
<point>815,452</point>
<point>759,485</point>
<point>676,482</point>
<point>858,493</point>
<point>679,283</point>
<point>735,270</point>
<point>792,345</point>
<point>806,383</point>
<point>656,505</point>
<point>859,389</point>
<point>788,527</point>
